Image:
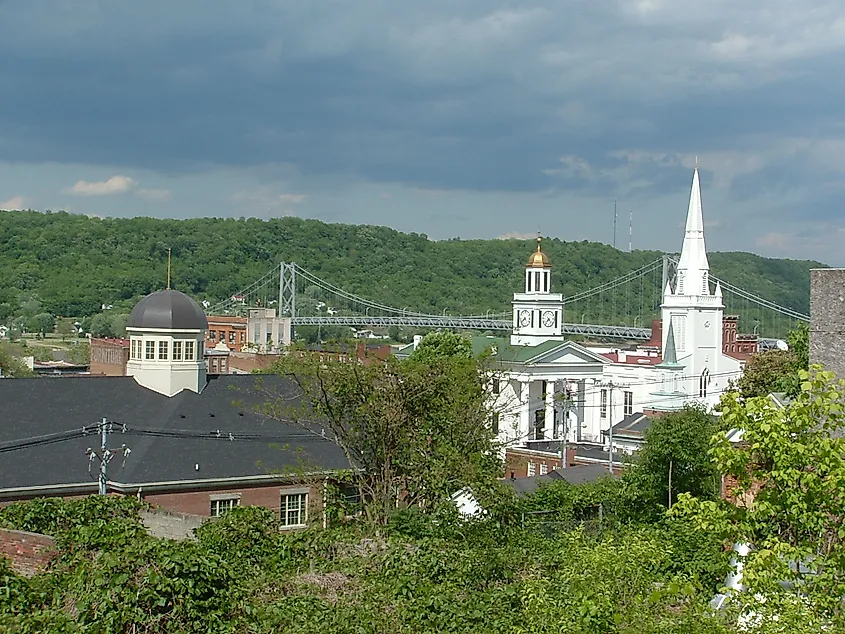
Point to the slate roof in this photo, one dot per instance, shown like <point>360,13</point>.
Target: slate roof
<point>633,427</point>
<point>168,309</point>
<point>36,407</point>
<point>578,474</point>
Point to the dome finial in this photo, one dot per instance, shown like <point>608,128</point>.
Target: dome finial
<point>539,259</point>
<point>168,269</point>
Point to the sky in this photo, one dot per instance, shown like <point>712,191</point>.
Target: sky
<point>453,118</point>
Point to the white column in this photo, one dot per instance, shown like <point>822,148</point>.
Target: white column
<point>550,409</point>
<point>524,411</point>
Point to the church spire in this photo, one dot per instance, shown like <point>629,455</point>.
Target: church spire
<point>693,265</point>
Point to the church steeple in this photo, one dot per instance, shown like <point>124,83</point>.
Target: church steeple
<point>693,268</point>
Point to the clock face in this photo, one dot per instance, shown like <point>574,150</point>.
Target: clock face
<point>549,318</point>
<point>524,317</point>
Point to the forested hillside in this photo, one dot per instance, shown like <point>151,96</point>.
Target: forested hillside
<point>69,264</point>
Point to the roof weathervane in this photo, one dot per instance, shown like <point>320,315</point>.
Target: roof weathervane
<point>539,240</point>
<point>696,161</point>
<point>168,269</point>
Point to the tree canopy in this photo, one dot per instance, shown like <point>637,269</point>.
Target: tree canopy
<point>674,458</point>
<point>70,265</point>
<point>418,427</point>
<point>777,370</point>
<point>786,474</point>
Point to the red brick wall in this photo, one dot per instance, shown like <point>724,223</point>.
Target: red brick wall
<point>516,462</point>
<point>30,553</point>
<point>268,496</point>
<point>108,357</point>
<point>229,330</point>
<point>249,361</point>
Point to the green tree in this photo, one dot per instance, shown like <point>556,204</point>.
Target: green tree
<point>102,325</point>
<point>443,343</point>
<point>674,458</point>
<point>777,370</point>
<point>12,367</point>
<point>765,373</point>
<point>789,473</point>
<point>43,323</point>
<point>418,427</point>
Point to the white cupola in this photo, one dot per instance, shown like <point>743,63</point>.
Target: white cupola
<point>166,337</point>
<point>537,312</point>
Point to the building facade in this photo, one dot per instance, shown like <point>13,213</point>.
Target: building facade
<point>226,329</point>
<point>108,357</point>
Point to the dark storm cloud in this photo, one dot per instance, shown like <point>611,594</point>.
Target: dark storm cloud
<point>477,95</point>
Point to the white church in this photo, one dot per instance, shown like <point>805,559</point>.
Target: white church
<point>548,388</point>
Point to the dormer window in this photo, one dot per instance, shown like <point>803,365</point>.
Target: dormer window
<point>189,350</point>
<point>177,350</point>
<point>150,351</point>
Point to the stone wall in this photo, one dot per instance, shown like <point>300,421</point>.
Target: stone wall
<point>827,319</point>
<point>30,553</point>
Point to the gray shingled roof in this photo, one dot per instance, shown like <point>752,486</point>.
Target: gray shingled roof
<point>38,407</point>
<point>167,309</point>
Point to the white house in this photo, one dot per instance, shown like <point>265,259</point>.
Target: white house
<point>547,388</point>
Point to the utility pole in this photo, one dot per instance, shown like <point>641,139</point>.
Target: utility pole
<point>567,407</point>
<point>105,454</point>
<point>614,223</point>
<point>610,386</point>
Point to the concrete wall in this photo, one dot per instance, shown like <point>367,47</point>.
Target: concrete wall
<point>827,319</point>
<point>171,525</point>
<point>30,553</point>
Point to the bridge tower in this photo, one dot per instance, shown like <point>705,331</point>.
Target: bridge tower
<point>537,313</point>
<point>693,313</point>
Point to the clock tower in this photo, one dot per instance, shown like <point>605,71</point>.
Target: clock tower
<point>537,312</point>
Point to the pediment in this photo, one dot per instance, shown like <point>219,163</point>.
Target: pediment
<point>568,353</point>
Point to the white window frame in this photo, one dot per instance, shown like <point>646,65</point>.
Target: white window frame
<point>219,504</point>
<point>628,407</point>
<point>163,350</point>
<point>544,468</point>
<point>177,350</point>
<point>603,404</point>
<point>294,502</point>
<point>190,347</point>
<point>532,469</point>
<point>149,350</point>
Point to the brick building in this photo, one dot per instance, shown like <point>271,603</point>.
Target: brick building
<point>227,329</point>
<point>108,357</point>
<point>736,344</point>
<point>190,453</point>
<point>198,442</point>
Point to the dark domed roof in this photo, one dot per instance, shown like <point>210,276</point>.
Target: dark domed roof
<point>168,309</point>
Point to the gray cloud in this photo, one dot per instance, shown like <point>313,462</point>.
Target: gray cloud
<point>611,98</point>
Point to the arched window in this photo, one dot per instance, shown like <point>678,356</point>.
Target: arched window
<point>703,382</point>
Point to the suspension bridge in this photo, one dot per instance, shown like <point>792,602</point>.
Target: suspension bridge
<point>619,309</point>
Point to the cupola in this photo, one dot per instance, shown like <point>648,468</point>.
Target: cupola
<point>166,336</point>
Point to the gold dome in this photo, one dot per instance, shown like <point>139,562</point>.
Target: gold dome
<point>538,259</point>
